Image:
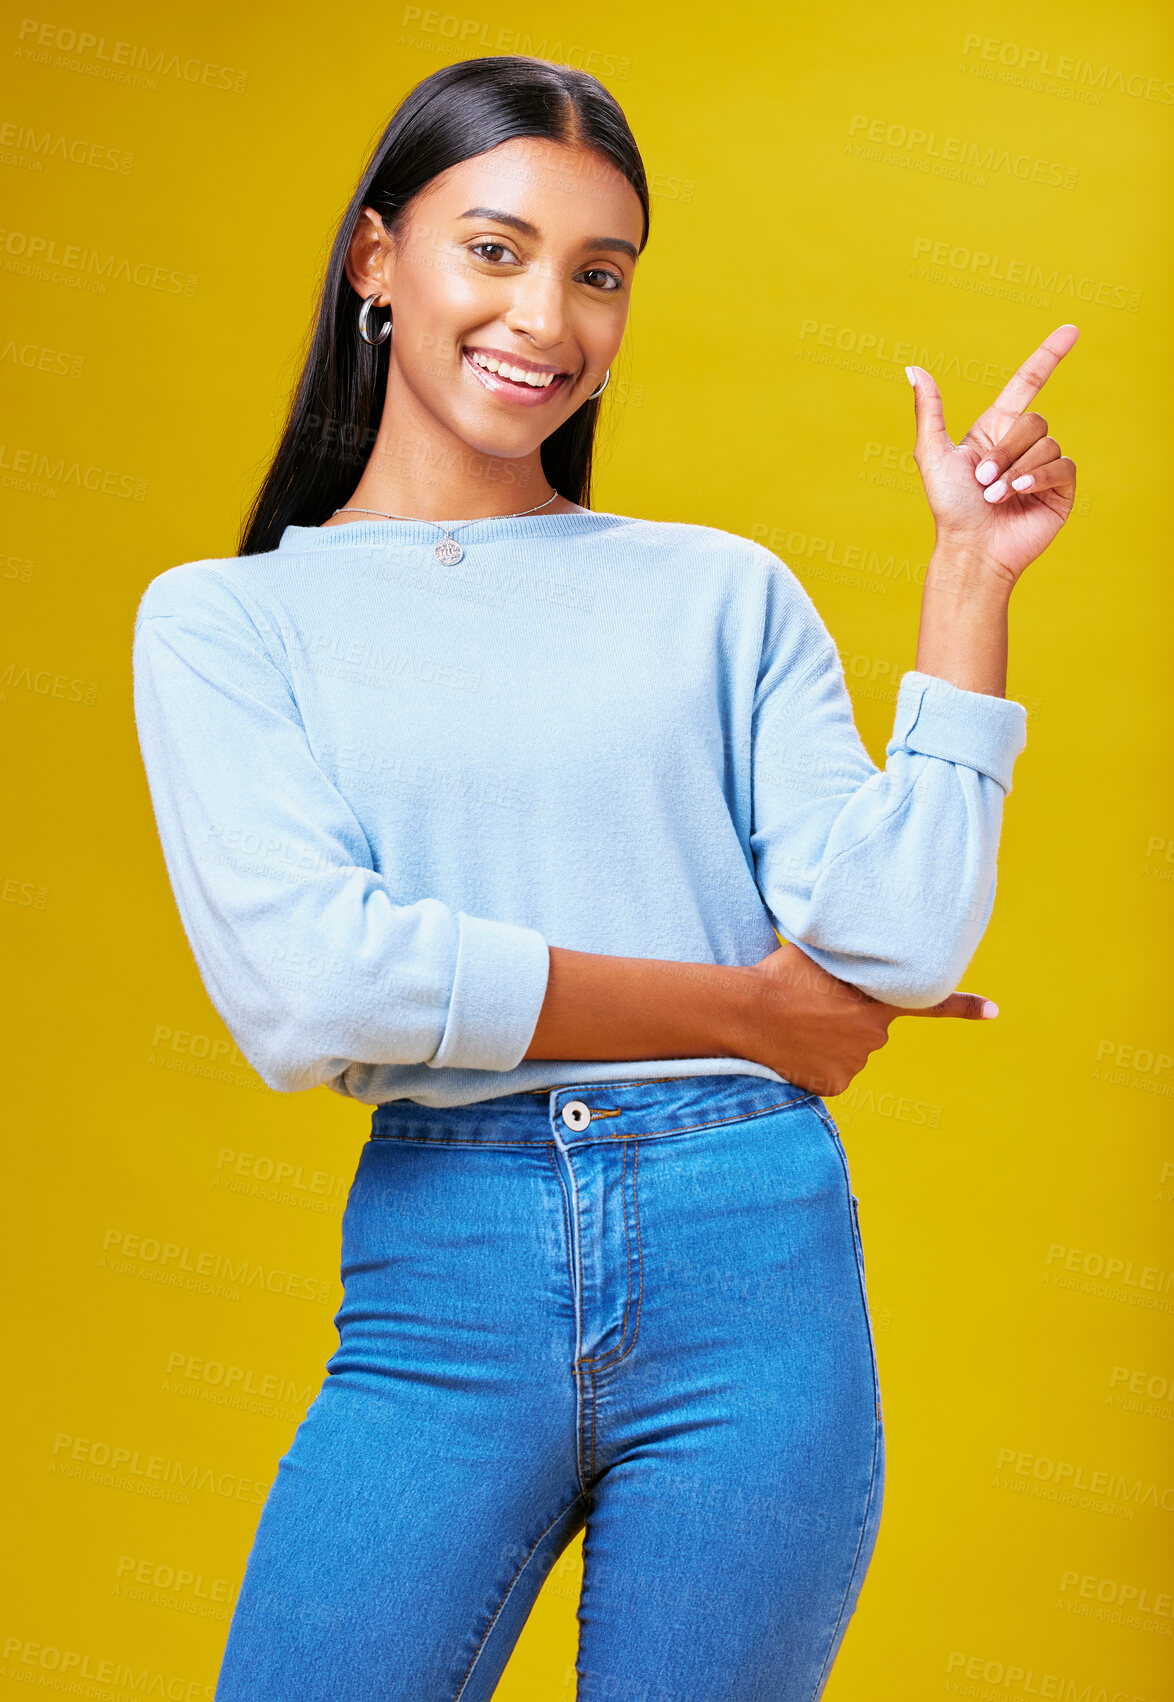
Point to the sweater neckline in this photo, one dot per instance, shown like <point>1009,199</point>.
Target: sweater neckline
<point>488,529</point>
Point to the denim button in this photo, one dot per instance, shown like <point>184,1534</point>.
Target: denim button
<point>576,1115</point>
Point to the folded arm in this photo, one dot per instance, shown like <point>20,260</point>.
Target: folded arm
<point>885,877</point>
<point>312,959</point>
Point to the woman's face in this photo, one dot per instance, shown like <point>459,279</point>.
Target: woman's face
<point>520,260</point>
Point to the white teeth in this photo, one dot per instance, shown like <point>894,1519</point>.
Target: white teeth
<point>517,374</point>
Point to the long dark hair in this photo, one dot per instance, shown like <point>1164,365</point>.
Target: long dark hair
<point>458,112</point>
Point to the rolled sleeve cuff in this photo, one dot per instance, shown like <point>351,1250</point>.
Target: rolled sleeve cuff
<point>497,993</point>
<point>935,718</point>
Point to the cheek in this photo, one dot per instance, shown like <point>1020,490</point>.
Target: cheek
<point>439,312</point>
<point>602,332</point>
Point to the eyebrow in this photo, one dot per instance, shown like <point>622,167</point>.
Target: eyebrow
<point>524,226</point>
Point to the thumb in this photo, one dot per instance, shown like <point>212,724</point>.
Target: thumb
<point>969,1005</point>
<point>932,437</point>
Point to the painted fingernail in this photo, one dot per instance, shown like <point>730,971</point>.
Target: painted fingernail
<point>985,472</point>
<point>910,377</point>
<point>1022,482</point>
<point>989,1008</point>
<point>994,492</point>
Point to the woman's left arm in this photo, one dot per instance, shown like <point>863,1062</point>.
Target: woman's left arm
<point>998,498</point>
<point>886,877</point>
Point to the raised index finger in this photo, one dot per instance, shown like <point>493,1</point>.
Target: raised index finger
<point>1020,390</point>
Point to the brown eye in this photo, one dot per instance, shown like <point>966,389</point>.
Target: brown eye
<point>500,248</point>
<point>601,278</point>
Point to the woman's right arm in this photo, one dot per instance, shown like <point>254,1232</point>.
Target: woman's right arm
<point>785,1012</point>
<point>311,956</point>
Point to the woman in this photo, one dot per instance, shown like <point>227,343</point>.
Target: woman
<point>487,809</point>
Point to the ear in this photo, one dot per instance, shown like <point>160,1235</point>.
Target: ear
<point>370,258</point>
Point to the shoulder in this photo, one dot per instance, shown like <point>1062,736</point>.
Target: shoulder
<point>708,542</point>
<point>750,564</point>
<point>214,591</point>
<point>731,552</point>
<point>752,580</point>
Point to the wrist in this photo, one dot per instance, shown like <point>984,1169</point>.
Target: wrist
<point>961,566</point>
<point>738,1012</point>
<point>962,635</point>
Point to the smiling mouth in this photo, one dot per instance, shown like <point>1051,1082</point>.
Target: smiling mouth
<point>505,377</point>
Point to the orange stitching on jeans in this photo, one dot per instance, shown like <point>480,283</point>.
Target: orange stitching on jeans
<point>506,1597</point>
<point>648,1134</point>
<point>577,1305</point>
<point>566,1220</point>
<point>603,1358</point>
<point>639,1266</point>
<point>440,1140</point>
<point>745,1117</point>
<point>578,1239</point>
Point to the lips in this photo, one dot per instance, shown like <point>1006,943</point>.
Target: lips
<point>526,394</point>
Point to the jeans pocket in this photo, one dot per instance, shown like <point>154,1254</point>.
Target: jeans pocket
<point>855,1203</point>
<point>856,1229</point>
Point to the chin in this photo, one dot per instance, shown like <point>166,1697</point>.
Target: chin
<point>482,437</point>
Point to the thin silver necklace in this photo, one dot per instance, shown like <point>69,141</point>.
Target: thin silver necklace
<point>447,550</point>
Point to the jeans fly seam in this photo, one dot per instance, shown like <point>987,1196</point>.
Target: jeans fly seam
<point>602,1358</point>
<point>600,1365</point>
<point>509,1591</point>
<point>566,1219</point>
<point>575,1232</point>
<point>619,1352</point>
<point>571,1287</point>
<point>579,1337</point>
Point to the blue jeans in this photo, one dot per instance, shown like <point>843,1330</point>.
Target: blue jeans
<point>649,1320</point>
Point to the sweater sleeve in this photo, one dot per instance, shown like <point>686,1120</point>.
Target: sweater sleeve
<point>886,877</point>
<point>312,960</point>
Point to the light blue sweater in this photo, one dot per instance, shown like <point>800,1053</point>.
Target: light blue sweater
<point>384,787</point>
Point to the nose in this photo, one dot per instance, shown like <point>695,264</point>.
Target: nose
<point>538,309</point>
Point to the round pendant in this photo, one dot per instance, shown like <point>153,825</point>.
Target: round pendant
<point>448,551</point>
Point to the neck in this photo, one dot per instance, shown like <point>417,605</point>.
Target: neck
<point>420,469</point>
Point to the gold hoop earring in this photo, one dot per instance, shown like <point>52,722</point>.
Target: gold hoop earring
<point>602,387</point>
<point>364,315</point>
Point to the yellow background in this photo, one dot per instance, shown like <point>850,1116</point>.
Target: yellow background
<point>1016,1179</point>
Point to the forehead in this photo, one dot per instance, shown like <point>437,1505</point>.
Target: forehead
<point>545,182</point>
